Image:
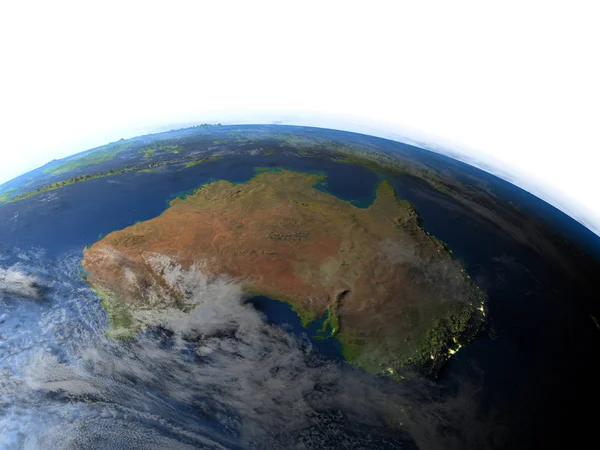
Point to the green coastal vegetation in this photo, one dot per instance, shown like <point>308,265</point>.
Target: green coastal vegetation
<point>6,195</point>
<point>331,322</point>
<point>435,346</point>
<point>68,182</point>
<point>120,318</point>
<point>201,161</point>
<point>98,156</point>
<point>159,147</point>
<point>447,335</point>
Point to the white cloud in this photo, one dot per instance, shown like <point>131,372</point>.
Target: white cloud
<point>16,283</point>
<point>264,387</point>
<point>513,84</point>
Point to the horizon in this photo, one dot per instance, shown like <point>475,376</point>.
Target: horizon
<point>446,152</point>
<point>510,88</point>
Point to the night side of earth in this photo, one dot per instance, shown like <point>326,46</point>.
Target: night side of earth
<point>272,286</point>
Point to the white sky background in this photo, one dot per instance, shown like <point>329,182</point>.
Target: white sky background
<point>511,85</point>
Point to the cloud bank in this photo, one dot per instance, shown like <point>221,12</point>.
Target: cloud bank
<point>16,282</point>
<point>219,377</point>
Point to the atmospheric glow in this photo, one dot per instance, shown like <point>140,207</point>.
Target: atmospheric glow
<point>509,86</point>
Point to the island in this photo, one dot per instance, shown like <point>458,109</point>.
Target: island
<point>390,292</point>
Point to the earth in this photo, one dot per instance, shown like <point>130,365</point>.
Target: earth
<point>270,286</point>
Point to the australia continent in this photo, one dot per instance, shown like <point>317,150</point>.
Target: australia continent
<point>392,294</point>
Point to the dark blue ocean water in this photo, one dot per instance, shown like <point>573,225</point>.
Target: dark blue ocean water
<point>74,216</point>
<point>282,314</point>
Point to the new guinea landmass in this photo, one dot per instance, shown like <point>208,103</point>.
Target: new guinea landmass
<point>394,296</point>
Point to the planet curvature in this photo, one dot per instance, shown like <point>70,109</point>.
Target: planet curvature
<point>271,286</point>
